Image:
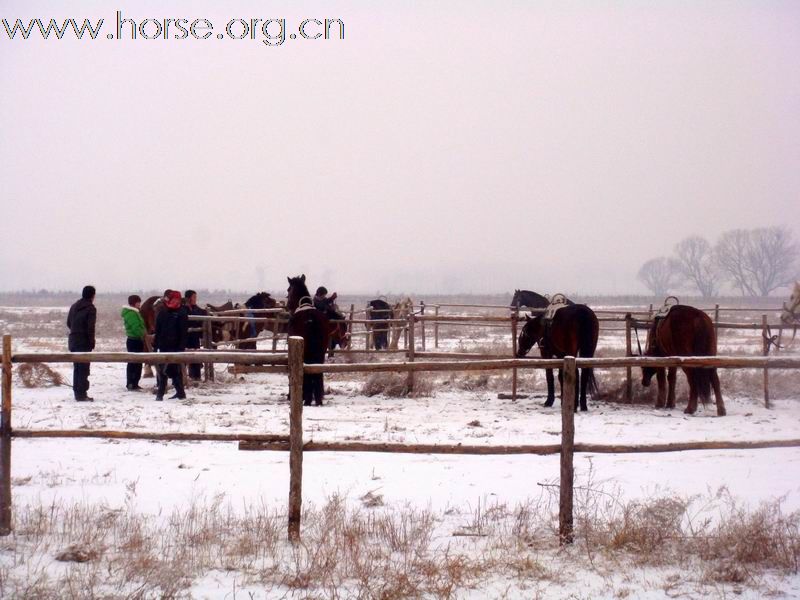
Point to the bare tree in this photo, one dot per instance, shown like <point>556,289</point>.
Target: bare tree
<point>758,261</point>
<point>659,275</point>
<point>731,251</point>
<point>696,262</point>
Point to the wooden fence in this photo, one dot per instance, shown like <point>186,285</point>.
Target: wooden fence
<point>292,364</point>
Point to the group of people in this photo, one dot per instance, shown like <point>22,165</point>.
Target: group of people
<point>171,335</point>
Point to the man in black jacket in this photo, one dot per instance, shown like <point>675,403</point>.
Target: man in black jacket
<point>81,322</point>
<point>193,339</point>
<point>313,326</point>
<point>171,332</point>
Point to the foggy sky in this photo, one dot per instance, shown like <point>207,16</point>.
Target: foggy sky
<point>441,147</point>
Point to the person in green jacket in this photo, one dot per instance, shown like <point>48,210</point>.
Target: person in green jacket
<point>135,330</point>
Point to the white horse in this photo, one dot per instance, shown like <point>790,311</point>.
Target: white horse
<point>401,310</point>
<point>790,317</point>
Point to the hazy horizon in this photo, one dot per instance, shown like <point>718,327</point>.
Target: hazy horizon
<point>448,148</point>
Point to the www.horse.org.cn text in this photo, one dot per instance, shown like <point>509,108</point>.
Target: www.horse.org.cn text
<point>271,32</point>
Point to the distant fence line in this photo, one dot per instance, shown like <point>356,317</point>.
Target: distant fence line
<point>419,317</point>
<point>291,363</point>
<point>416,321</point>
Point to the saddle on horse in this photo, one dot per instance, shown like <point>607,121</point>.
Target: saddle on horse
<point>557,302</point>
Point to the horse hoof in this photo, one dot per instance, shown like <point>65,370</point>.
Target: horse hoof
<point>689,411</point>
<point>721,412</point>
<point>548,403</point>
<point>584,409</point>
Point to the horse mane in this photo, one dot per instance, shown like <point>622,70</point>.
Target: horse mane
<point>529,298</point>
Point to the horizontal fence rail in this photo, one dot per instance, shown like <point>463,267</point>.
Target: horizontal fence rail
<point>155,358</point>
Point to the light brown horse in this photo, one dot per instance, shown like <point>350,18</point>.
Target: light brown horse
<point>685,331</point>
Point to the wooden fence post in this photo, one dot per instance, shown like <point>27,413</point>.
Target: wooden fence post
<point>436,327</point>
<point>5,412</point>
<point>276,326</point>
<point>765,350</point>
<point>5,441</point>
<point>628,352</point>
<point>295,435</point>
<point>350,321</point>
<point>514,319</point>
<point>422,323</point>
<point>716,322</point>
<point>367,316</point>
<point>411,348</point>
<point>565,518</point>
<point>208,368</point>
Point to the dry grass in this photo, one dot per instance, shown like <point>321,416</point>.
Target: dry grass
<point>36,375</point>
<point>373,551</point>
<point>396,385</point>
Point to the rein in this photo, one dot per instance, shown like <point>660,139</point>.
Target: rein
<point>773,340</point>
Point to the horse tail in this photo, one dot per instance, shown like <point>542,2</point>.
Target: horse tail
<point>701,379</point>
<point>588,330</point>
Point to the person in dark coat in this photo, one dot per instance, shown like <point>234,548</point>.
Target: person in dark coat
<point>313,326</point>
<point>327,304</point>
<point>81,322</point>
<point>193,338</point>
<point>171,332</point>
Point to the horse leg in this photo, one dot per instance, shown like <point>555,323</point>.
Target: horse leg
<point>551,393</point>
<point>692,406</point>
<point>584,384</point>
<point>672,377</point>
<point>721,412</point>
<point>661,397</point>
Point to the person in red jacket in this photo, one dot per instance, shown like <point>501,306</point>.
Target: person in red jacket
<point>171,332</point>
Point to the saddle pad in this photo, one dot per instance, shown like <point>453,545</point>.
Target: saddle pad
<point>668,304</point>
<point>557,302</point>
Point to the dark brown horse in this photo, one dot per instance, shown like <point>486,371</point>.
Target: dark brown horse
<point>573,331</point>
<point>685,331</point>
<point>379,311</point>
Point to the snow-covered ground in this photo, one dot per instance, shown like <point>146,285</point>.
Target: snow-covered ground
<point>171,475</point>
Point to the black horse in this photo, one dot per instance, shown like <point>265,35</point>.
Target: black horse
<point>531,299</point>
<point>314,327</point>
<point>573,331</point>
<point>251,329</point>
<point>337,325</point>
<point>380,311</point>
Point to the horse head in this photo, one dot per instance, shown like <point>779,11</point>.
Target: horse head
<point>530,335</point>
<point>296,290</point>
